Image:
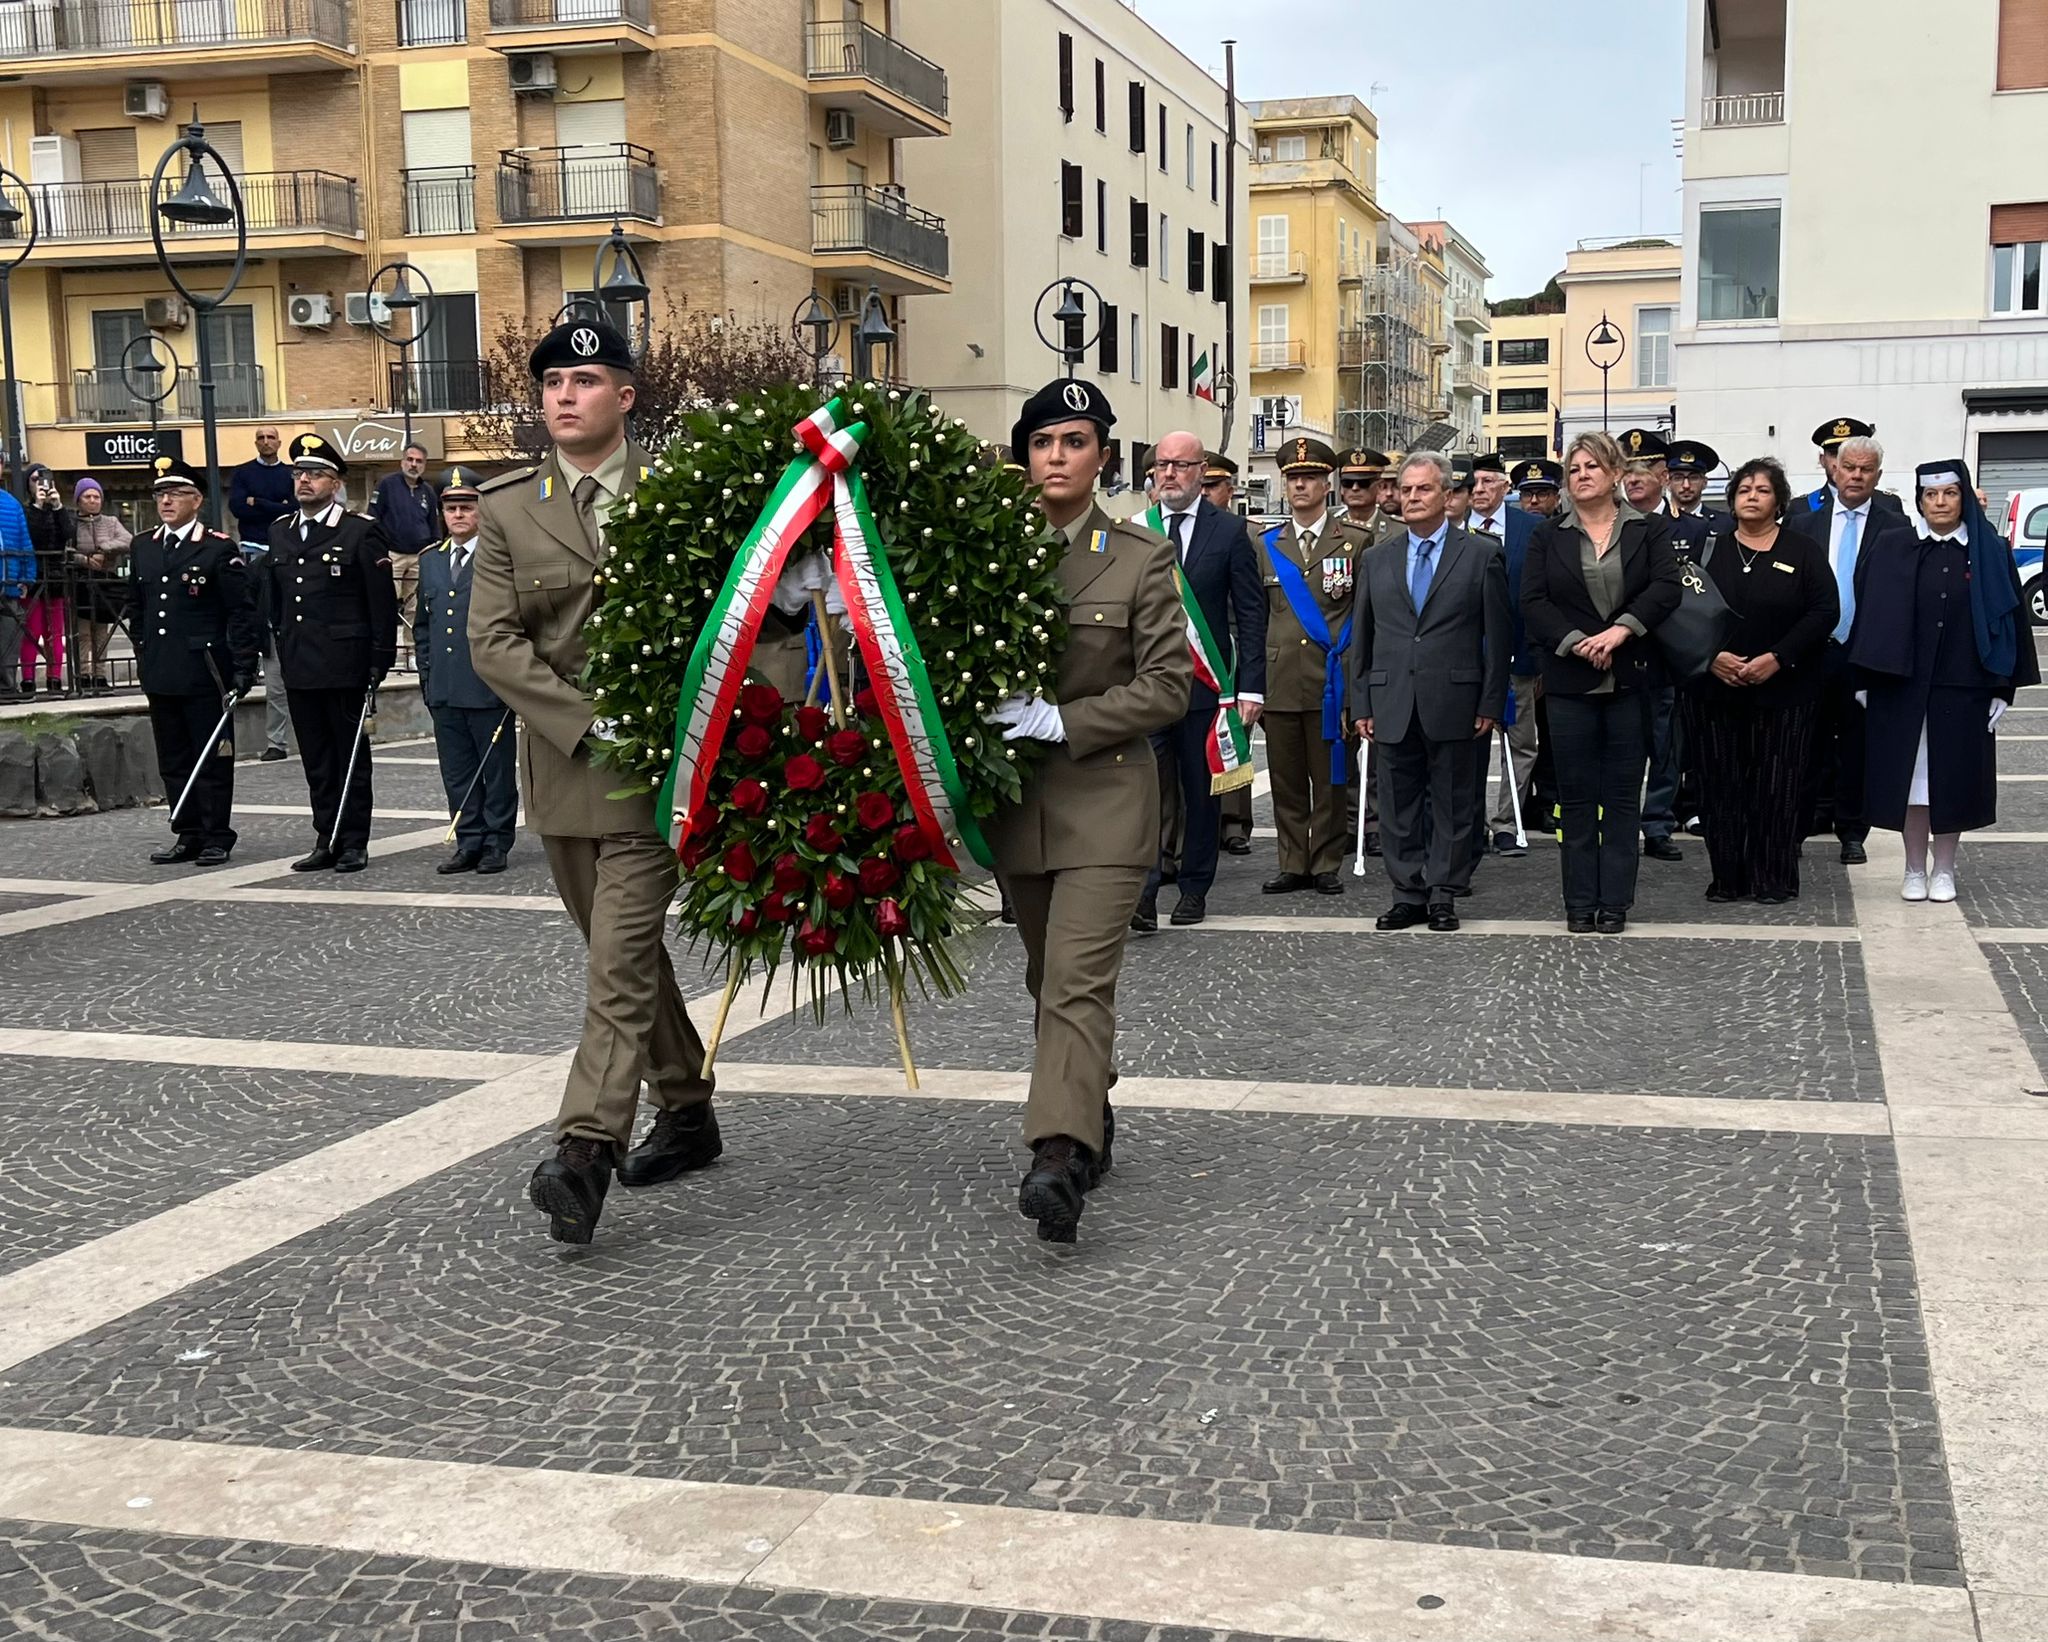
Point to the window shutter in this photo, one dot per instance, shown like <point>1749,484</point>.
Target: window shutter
<point>1106,359</point>
<point>2019,224</point>
<point>1101,96</point>
<point>1197,260</point>
<point>2022,45</point>
<point>109,155</point>
<point>1219,274</point>
<point>1071,224</point>
<point>1137,116</point>
<point>590,125</point>
<point>1141,234</point>
<point>1067,76</point>
<point>436,137</point>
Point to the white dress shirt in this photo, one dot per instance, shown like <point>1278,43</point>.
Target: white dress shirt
<point>1489,524</point>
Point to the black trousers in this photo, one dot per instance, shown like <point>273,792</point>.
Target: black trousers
<point>1753,763</point>
<point>1428,814</point>
<point>183,726</point>
<point>325,723</point>
<point>462,741</point>
<point>1183,753</point>
<point>1601,747</point>
<point>1835,771</point>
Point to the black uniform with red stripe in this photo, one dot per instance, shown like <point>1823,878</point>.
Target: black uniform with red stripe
<point>192,614</point>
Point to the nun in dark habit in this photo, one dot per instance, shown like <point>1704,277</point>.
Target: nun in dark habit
<point>1940,644</point>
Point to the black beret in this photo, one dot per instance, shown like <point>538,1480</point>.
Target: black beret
<point>166,472</point>
<point>1830,434</point>
<point>1490,462</point>
<point>1644,445</point>
<point>309,450</point>
<point>584,341</point>
<point>1690,456</point>
<point>1065,399</point>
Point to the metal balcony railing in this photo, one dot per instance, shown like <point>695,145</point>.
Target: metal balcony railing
<point>440,199</point>
<point>551,14</point>
<point>1274,265</point>
<point>273,202</point>
<point>77,28</point>
<point>432,22</point>
<point>1279,356</point>
<point>1747,108</point>
<point>1467,379</point>
<point>435,385</point>
<point>854,50</point>
<point>583,184</point>
<point>237,392</point>
<point>99,394</point>
<point>880,222</point>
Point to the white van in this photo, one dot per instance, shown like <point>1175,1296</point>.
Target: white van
<point>2026,530</point>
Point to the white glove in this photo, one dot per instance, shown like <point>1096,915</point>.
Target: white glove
<point>1029,718</point>
<point>1863,698</point>
<point>800,579</point>
<point>1997,712</point>
<point>604,729</point>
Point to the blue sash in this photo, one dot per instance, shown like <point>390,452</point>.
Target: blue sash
<point>1310,614</point>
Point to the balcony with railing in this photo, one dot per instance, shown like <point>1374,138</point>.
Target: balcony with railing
<point>592,183</point>
<point>876,234</point>
<point>291,213</point>
<point>83,40</point>
<point>540,25</point>
<point>1279,267</point>
<point>1470,314</point>
<point>1467,378</point>
<point>101,395</point>
<point>858,68</point>
<point>1744,108</point>
<point>440,199</point>
<point>433,22</point>
<point>429,387</point>
<point>1280,356</point>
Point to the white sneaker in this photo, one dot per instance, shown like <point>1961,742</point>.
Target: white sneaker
<point>1942,887</point>
<point>1915,887</point>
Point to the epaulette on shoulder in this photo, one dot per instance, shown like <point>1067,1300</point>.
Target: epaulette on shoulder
<point>504,479</point>
<point>1140,531</point>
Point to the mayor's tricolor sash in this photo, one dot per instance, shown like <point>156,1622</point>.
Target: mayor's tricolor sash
<point>1310,614</point>
<point>1229,744</point>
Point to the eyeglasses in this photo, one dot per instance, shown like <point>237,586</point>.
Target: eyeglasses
<point>1357,484</point>
<point>1161,465</point>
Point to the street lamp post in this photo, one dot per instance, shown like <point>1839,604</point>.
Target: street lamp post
<point>1604,349</point>
<point>10,218</point>
<point>815,328</point>
<point>1071,317</point>
<point>418,307</point>
<point>139,376</point>
<point>195,205</point>
<point>625,286</point>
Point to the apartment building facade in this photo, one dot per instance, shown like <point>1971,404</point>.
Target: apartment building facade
<point>1462,330</point>
<point>749,151</point>
<point>1526,385</point>
<point>1799,302</point>
<point>1621,307</point>
<point>1087,146</point>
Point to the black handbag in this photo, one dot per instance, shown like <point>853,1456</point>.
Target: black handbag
<point>1697,631</point>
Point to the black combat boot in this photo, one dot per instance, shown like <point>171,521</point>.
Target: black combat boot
<point>683,1138</point>
<point>569,1187</point>
<point>1062,1170</point>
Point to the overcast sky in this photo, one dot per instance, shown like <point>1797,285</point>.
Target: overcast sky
<point>1524,122</point>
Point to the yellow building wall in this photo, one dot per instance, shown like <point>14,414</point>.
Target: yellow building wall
<point>1550,376</point>
<point>92,108</point>
<point>1321,306</point>
<point>87,292</point>
<point>1619,300</point>
<point>429,85</point>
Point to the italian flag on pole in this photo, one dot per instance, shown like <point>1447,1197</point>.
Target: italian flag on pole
<point>1203,378</point>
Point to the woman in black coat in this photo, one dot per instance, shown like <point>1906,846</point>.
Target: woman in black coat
<point>1940,644</point>
<point>1597,581</point>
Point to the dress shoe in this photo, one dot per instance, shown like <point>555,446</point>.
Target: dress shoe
<point>271,755</point>
<point>177,855</point>
<point>1145,919</point>
<point>1941,886</point>
<point>1608,922</point>
<point>1328,883</point>
<point>1237,846</point>
<point>1775,899</point>
<point>1716,893</point>
<point>212,856</point>
<point>1190,909</point>
<point>1853,852</point>
<point>1504,844</point>
<point>491,861</point>
<point>1009,912</point>
<point>460,861</point>
<point>1579,923</point>
<point>569,1187</point>
<point>1915,886</point>
<point>1443,917</point>
<point>1287,883</point>
<point>321,860</point>
<point>1052,1193</point>
<point>28,689</point>
<point>1662,849</point>
<point>1401,915</point>
<point>1372,845</point>
<point>351,860</point>
<point>683,1138</point>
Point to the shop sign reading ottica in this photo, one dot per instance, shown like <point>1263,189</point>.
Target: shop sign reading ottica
<point>377,441</point>
<point>133,450</point>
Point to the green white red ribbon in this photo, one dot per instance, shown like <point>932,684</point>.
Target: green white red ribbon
<point>1228,744</point>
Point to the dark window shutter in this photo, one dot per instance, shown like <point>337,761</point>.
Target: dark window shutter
<point>1101,96</point>
<point>1071,224</point>
<point>1102,217</point>
<point>1197,262</point>
<point>1169,356</point>
<point>1141,234</point>
<point>1219,272</point>
<point>1067,75</point>
<point>1106,350</point>
<point>1137,116</point>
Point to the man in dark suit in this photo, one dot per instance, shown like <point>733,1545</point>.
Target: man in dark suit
<point>1844,517</point>
<point>1494,520</point>
<point>1431,636</point>
<point>330,601</point>
<point>1216,562</point>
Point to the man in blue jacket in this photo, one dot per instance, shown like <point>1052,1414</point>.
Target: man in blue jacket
<point>17,576</point>
<point>259,494</point>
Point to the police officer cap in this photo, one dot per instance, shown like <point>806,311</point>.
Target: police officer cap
<point>1537,474</point>
<point>1304,455</point>
<point>1690,456</point>
<point>1644,445</point>
<point>1063,400</point>
<point>309,450</point>
<point>1461,471</point>
<point>1490,462</point>
<point>1218,467</point>
<point>169,472</point>
<point>581,341</point>
<point>1829,435</point>
<point>1363,463</point>
<point>458,483</point>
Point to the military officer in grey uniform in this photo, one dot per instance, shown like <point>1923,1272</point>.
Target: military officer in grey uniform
<point>540,539</point>
<point>473,731</point>
<point>1074,851</point>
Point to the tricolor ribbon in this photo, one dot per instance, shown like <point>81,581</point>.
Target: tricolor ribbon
<point>895,668</point>
<point>1229,744</point>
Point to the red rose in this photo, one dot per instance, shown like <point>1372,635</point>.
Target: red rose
<point>790,876</point>
<point>754,742</point>
<point>804,773</point>
<point>875,810</point>
<point>749,797</point>
<point>740,865</point>
<point>878,877</point>
<point>839,891</point>
<point>890,922</point>
<point>911,843</point>
<point>760,703</point>
<point>702,823</point>
<point>777,910</point>
<point>747,922</point>
<point>864,703</point>
<point>812,723</point>
<point>693,852</point>
<point>814,942</point>
<point>822,836</point>
<point>847,748</point>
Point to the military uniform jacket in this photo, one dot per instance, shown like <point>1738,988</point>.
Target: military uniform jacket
<point>1094,800</point>
<point>1294,664</point>
<point>532,590</point>
<point>331,603</point>
<point>192,612</point>
<point>440,631</point>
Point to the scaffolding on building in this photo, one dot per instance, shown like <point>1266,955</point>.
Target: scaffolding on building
<point>1386,367</point>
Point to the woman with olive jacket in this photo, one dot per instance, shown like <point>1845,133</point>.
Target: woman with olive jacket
<point>1598,579</point>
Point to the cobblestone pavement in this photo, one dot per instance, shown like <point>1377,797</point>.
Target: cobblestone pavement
<point>1425,1300</point>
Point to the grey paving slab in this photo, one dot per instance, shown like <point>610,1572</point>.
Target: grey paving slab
<point>23,903</point>
<point>84,1585</point>
<point>87,1147</point>
<point>2022,757</point>
<point>2023,805</point>
<point>397,786</point>
<point>2022,973</point>
<point>1779,1020</point>
<point>114,846</point>
<point>2003,886</point>
<point>407,977</point>
<point>1668,1345</point>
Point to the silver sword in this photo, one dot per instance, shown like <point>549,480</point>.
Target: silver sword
<point>198,764</point>
<point>348,776</point>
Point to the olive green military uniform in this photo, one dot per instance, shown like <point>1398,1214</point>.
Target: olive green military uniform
<point>1308,812</point>
<point>533,591</point>
<point>1074,851</point>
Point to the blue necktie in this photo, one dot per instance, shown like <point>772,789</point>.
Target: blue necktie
<point>1418,580</point>
<point>1845,574</point>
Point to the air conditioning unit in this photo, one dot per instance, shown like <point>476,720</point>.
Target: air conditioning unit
<point>54,159</point>
<point>366,308</point>
<point>165,313</point>
<point>841,129</point>
<point>145,100</point>
<point>846,300</point>
<point>532,73</point>
<point>310,310</point>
